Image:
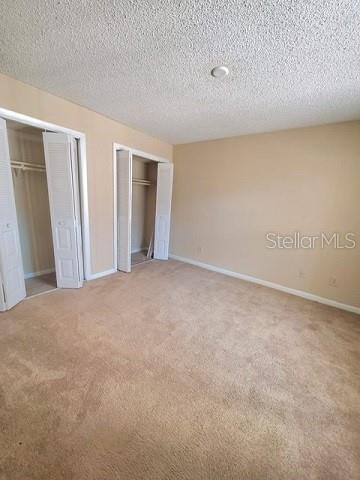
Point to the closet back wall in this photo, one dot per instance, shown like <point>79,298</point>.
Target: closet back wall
<point>32,201</point>
<point>138,213</point>
<point>101,133</point>
<point>143,204</point>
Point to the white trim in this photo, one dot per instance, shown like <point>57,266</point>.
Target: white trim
<point>39,273</point>
<point>133,151</point>
<point>115,235</point>
<point>140,153</point>
<point>84,207</point>
<point>265,283</point>
<point>21,118</point>
<point>94,276</point>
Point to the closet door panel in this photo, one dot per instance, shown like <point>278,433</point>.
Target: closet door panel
<point>60,167</point>
<point>11,267</point>
<point>163,210</point>
<point>124,198</point>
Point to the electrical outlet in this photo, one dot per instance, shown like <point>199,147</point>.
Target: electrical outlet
<point>199,249</point>
<point>301,274</point>
<point>332,281</point>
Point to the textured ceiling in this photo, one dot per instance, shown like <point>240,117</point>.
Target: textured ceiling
<point>147,63</point>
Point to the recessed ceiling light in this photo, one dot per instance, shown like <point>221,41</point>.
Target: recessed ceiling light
<point>220,72</point>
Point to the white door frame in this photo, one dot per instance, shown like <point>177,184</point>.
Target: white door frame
<point>83,185</point>
<point>139,153</point>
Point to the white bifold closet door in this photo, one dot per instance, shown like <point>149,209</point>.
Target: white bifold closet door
<point>61,168</point>
<point>124,197</point>
<point>163,210</point>
<point>12,287</point>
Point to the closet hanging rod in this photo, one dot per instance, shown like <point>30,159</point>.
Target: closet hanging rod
<point>140,181</point>
<point>24,169</point>
<point>28,166</point>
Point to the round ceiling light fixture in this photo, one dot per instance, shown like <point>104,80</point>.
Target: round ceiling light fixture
<point>220,72</point>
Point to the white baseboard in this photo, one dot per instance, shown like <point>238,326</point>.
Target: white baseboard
<point>265,283</point>
<point>37,274</point>
<point>93,276</point>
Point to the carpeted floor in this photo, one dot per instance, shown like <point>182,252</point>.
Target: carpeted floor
<point>173,372</point>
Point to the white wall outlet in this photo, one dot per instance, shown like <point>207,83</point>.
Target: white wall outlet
<point>332,281</point>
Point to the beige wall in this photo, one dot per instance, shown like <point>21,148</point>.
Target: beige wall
<point>32,200</point>
<point>229,193</point>
<point>100,133</point>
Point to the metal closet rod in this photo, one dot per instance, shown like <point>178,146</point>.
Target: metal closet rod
<point>140,181</point>
<point>28,166</point>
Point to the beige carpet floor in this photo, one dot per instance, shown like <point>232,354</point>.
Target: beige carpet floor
<point>173,372</point>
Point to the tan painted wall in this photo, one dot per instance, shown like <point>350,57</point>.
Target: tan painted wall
<point>101,132</point>
<point>229,193</point>
<point>32,200</point>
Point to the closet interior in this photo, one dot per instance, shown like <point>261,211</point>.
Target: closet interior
<point>32,207</point>
<point>143,208</point>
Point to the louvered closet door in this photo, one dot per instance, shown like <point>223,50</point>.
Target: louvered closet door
<point>65,223</point>
<point>11,268</point>
<point>163,210</point>
<point>124,193</point>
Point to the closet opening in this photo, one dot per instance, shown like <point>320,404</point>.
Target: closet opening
<point>28,170</point>
<point>43,208</point>
<point>142,207</point>
<point>144,175</point>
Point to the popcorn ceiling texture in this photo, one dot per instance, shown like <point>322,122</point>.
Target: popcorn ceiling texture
<point>147,64</point>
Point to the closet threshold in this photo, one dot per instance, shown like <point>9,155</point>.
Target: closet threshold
<point>139,258</point>
<point>40,284</point>
<point>143,262</point>
<point>28,297</point>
